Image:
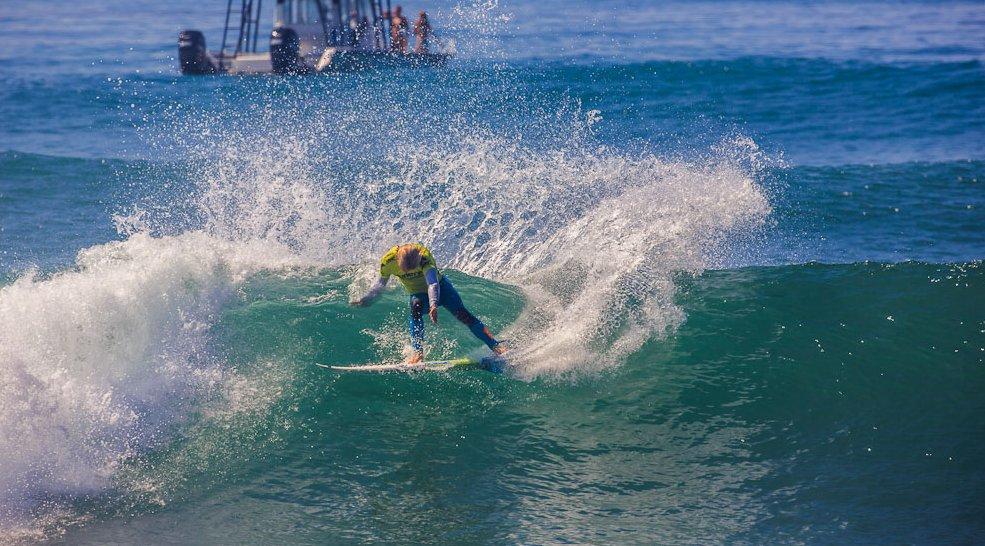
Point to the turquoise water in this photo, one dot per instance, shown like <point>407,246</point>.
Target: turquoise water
<point>736,248</point>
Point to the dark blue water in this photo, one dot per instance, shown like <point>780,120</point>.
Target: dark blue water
<point>736,247</point>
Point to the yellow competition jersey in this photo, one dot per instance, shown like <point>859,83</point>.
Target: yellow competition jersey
<point>413,280</point>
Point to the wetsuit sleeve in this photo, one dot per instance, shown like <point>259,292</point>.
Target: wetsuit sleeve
<point>375,290</point>
<point>434,289</point>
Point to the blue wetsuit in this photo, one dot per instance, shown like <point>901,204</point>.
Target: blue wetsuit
<point>449,299</point>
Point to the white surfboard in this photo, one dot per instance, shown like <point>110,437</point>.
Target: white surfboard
<point>491,363</point>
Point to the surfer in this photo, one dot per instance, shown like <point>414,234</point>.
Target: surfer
<point>414,266</point>
<point>422,32</point>
<point>398,31</point>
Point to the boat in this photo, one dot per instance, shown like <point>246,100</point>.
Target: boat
<point>307,37</point>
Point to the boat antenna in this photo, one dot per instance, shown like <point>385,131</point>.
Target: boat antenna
<point>225,32</point>
<point>389,19</point>
<point>379,37</point>
<point>338,17</point>
<point>322,15</point>
<point>246,6</point>
<point>256,24</point>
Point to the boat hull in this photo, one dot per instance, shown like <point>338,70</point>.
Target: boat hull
<point>286,60</point>
<point>352,61</point>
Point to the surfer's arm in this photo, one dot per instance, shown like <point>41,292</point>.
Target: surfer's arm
<point>434,293</point>
<point>374,291</point>
<point>434,289</point>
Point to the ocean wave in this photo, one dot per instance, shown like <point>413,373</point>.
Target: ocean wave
<point>101,363</point>
<point>589,232</point>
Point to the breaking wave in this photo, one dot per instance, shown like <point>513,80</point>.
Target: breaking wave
<point>116,357</point>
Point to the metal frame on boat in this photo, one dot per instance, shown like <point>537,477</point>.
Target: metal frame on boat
<point>308,36</point>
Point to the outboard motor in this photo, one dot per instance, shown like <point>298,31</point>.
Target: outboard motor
<point>193,56</point>
<point>285,52</point>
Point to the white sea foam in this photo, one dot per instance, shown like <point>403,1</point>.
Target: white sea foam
<point>101,362</point>
<point>593,236</point>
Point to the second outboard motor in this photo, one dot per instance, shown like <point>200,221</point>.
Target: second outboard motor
<point>193,56</point>
<point>285,52</point>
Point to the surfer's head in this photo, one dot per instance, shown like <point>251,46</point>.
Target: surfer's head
<point>408,258</point>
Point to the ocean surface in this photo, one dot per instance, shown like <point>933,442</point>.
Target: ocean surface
<point>736,248</point>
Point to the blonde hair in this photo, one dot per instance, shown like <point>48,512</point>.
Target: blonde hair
<point>408,257</point>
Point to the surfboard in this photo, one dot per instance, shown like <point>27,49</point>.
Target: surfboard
<point>493,364</point>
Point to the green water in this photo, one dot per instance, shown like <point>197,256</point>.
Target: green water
<point>755,422</point>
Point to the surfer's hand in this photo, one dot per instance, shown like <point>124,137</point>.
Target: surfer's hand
<point>433,313</point>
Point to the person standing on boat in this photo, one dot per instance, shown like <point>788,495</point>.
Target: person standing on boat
<point>398,31</point>
<point>422,33</point>
<point>364,38</point>
<point>358,35</point>
<point>354,32</point>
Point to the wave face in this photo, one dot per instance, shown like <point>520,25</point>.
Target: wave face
<point>736,248</point>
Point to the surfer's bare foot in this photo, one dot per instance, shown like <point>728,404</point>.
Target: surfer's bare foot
<point>414,358</point>
<point>499,349</point>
